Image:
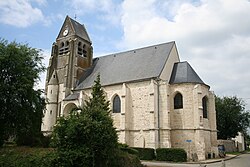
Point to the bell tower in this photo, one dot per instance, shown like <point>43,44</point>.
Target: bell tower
<point>71,55</point>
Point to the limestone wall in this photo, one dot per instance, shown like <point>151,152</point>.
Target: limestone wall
<point>142,103</point>
<point>49,118</point>
<point>50,112</point>
<point>229,145</point>
<point>136,123</point>
<point>188,124</point>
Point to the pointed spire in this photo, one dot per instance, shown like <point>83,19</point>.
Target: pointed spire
<point>74,28</point>
<point>53,79</point>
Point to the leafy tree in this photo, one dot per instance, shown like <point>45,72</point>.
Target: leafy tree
<point>231,117</point>
<point>87,138</point>
<point>21,106</point>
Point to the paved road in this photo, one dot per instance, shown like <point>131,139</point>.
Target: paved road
<point>240,161</point>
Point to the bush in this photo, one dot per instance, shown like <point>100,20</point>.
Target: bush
<point>126,148</point>
<point>145,153</point>
<point>41,157</point>
<point>88,133</point>
<point>124,159</point>
<point>34,141</point>
<point>26,157</point>
<point>45,141</point>
<point>171,154</point>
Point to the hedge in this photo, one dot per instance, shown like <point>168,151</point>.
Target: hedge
<point>171,154</point>
<point>125,159</point>
<point>47,157</point>
<point>130,150</point>
<point>145,153</point>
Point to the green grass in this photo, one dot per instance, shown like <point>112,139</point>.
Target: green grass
<point>13,156</point>
<point>23,156</point>
<point>234,153</point>
<point>23,150</point>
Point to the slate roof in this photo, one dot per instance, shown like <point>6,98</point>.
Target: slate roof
<point>183,73</point>
<point>54,79</point>
<point>78,29</point>
<point>133,65</point>
<point>73,96</point>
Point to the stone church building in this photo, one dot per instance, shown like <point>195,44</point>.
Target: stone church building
<point>156,100</point>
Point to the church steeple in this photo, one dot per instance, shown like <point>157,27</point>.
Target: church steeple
<point>71,55</point>
<point>74,53</point>
<point>71,27</point>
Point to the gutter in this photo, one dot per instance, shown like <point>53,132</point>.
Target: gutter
<point>158,110</point>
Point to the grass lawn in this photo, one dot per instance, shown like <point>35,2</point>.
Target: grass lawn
<point>22,156</point>
<point>24,150</point>
<point>236,153</point>
<point>13,156</point>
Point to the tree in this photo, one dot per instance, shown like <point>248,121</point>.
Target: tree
<point>231,117</point>
<point>21,106</point>
<point>87,138</point>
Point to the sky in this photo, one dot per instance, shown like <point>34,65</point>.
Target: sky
<point>212,35</point>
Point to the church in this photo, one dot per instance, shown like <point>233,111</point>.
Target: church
<point>157,101</point>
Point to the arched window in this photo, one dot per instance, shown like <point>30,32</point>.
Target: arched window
<point>116,104</point>
<point>80,48</point>
<point>62,44</point>
<point>66,49</point>
<point>67,43</point>
<point>84,50</point>
<point>79,44</point>
<point>204,106</point>
<point>61,48</point>
<point>178,101</point>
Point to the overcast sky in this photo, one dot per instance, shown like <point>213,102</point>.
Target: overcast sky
<point>212,35</point>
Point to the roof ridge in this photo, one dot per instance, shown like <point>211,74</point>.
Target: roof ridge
<point>167,59</point>
<point>133,65</point>
<point>73,20</point>
<point>140,48</point>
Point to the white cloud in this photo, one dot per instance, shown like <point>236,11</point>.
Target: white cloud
<point>20,13</point>
<point>108,10</point>
<point>212,35</point>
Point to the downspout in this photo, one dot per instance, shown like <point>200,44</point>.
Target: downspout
<point>158,111</point>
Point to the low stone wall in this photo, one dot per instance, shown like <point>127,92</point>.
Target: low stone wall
<point>229,145</point>
<point>240,146</point>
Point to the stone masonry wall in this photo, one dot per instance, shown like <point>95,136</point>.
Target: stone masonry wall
<point>141,103</point>
<point>188,127</point>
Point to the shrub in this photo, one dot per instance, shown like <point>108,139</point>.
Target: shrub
<point>145,153</point>
<point>171,154</point>
<point>87,138</point>
<point>26,157</point>
<point>41,157</point>
<point>34,141</point>
<point>45,141</point>
<point>126,148</point>
<point>124,159</point>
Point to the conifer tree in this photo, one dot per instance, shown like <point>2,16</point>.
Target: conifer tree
<point>87,138</point>
<point>98,100</point>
